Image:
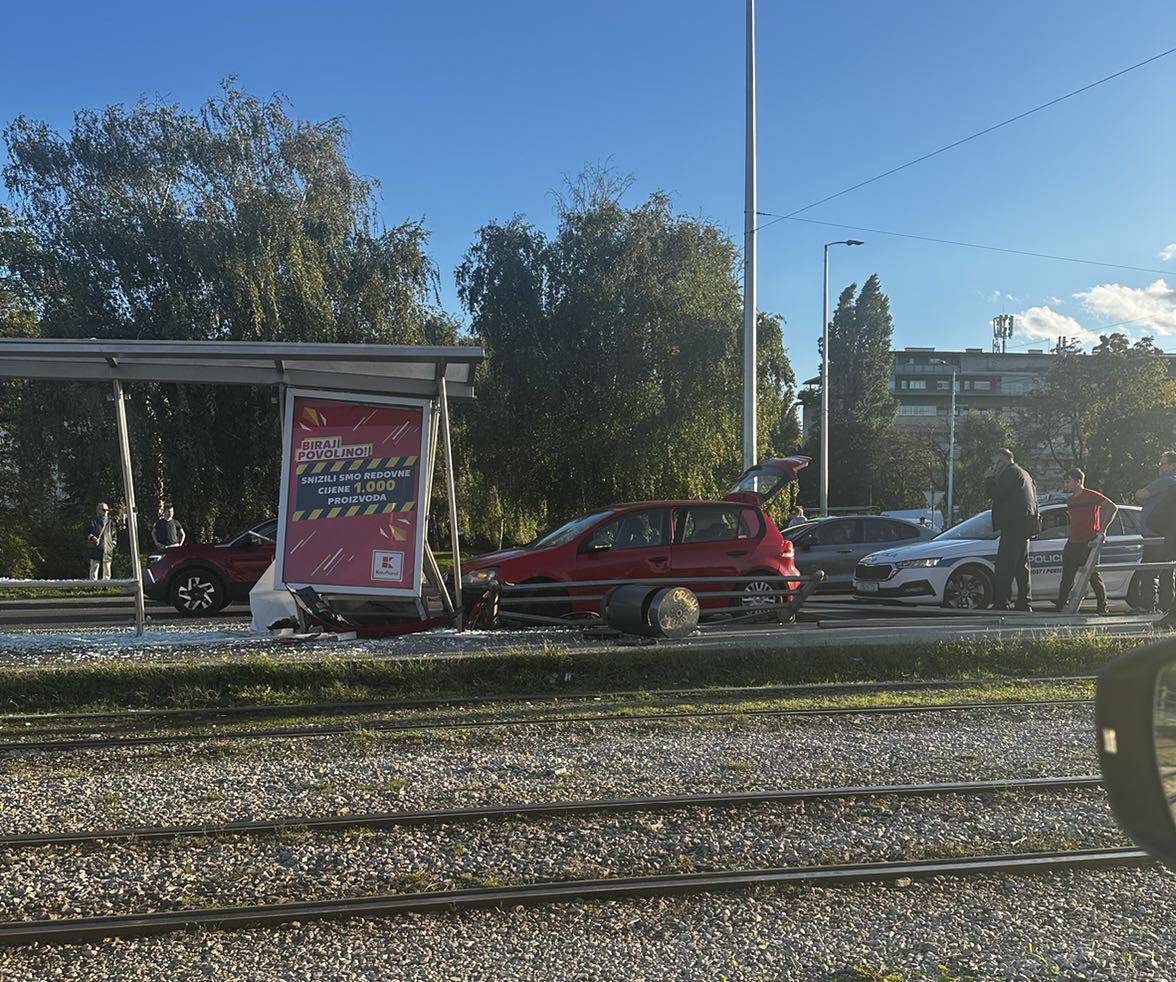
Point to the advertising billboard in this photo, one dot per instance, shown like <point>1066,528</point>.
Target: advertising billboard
<point>352,495</point>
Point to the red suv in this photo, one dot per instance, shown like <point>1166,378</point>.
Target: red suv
<point>657,540</point>
<point>201,579</point>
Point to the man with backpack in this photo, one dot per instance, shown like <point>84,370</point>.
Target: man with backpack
<point>1159,521</point>
<point>1015,517</point>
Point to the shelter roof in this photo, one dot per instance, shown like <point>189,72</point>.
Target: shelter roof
<point>386,369</point>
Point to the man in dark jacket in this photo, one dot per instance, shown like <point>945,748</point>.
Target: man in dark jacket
<point>1015,518</point>
<point>100,539</point>
<point>1159,521</point>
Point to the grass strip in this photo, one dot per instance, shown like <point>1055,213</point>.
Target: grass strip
<point>268,680</point>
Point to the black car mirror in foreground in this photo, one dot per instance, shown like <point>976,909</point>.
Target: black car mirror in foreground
<point>1135,712</point>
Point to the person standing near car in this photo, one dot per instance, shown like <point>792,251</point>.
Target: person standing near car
<point>100,537</point>
<point>1157,500</point>
<point>1090,512</point>
<point>1015,518</point>
<point>167,532</point>
<point>797,516</point>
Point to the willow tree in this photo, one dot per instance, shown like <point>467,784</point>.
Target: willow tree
<point>231,222</point>
<point>614,360</point>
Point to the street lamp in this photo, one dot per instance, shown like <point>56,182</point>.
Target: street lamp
<point>950,442</point>
<point>749,219</point>
<point>825,376</point>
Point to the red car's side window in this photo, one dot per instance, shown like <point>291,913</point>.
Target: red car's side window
<point>632,530</point>
<point>710,523</point>
<point>751,524</point>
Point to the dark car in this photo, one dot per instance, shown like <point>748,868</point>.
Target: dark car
<point>201,579</point>
<point>657,539</point>
<point>837,544</point>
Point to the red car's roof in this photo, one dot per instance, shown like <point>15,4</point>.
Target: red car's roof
<point>672,503</point>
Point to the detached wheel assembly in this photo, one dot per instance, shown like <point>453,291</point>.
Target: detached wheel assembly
<point>671,612</point>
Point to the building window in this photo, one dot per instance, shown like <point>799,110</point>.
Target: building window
<point>1013,388</point>
<point>984,386</point>
<point>916,410</point>
<point>917,383</point>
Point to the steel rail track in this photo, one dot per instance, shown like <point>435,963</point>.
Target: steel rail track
<point>81,929</point>
<point>716,692</point>
<point>141,723</point>
<point>402,726</point>
<point>556,809</point>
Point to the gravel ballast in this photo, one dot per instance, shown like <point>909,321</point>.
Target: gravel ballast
<point>254,779</point>
<point>135,877</point>
<point>1108,924</point>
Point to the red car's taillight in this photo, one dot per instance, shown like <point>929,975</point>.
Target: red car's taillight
<point>786,549</point>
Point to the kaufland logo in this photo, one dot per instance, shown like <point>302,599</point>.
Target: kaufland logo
<point>387,565</point>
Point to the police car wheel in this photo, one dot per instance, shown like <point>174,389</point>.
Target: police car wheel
<point>968,589</point>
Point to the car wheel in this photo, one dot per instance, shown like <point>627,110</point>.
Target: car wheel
<point>197,591</point>
<point>758,593</point>
<point>558,610</point>
<point>968,589</point>
<point>1133,590</point>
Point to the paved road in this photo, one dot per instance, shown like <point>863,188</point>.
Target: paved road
<point>91,611</point>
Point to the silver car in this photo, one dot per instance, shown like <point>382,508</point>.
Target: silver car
<point>837,544</point>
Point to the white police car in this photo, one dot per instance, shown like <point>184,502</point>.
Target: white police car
<point>955,569</point>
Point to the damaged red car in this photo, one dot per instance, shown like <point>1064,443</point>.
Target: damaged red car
<point>734,537</point>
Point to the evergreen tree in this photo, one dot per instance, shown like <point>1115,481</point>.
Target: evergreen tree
<point>870,461</point>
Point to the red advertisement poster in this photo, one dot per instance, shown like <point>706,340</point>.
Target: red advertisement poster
<point>352,488</point>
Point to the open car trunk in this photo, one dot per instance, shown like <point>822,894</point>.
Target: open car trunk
<point>758,485</point>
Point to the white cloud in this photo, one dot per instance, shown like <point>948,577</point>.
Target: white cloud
<point>1053,301</point>
<point>1045,324</point>
<point>1168,252</point>
<point>1151,309</point>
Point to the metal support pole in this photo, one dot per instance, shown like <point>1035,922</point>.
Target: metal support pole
<point>449,480</point>
<point>951,455</point>
<point>1073,602</point>
<point>749,220</point>
<point>124,452</point>
<point>432,570</point>
<point>824,451</point>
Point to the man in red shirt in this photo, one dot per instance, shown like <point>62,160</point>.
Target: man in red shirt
<point>1090,512</point>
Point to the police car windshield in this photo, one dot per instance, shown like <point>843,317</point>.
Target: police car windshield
<point>976,527</point>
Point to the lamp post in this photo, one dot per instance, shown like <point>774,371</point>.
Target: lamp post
<point>825,376</point>
<point>950,443</point>
<point>749,219</point>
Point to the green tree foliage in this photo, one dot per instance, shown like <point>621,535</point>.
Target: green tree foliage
<point>870,461</point>
<point>1110,412</point>
<point>978,437</point>
<point>233,222</point>
<point>17,320</point>
<point>615,353</point>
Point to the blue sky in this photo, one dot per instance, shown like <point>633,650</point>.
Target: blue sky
<point>468,112</point>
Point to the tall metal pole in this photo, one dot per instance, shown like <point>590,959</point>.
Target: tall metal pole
<point>749,217</point>
<point>449,480</point>
<point>124,453</point>
<point>951,453</point>
<point>825,388</point>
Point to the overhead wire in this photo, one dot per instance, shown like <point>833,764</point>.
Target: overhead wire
<point>972,136</point>
<point>970,245</point>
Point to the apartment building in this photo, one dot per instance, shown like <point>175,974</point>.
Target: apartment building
<point>920,381</point>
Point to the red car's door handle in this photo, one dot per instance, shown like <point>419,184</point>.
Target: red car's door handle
<point>658,560</point>
<point>738,552</point>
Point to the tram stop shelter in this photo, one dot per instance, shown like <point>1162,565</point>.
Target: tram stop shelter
<point>361,425</point>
